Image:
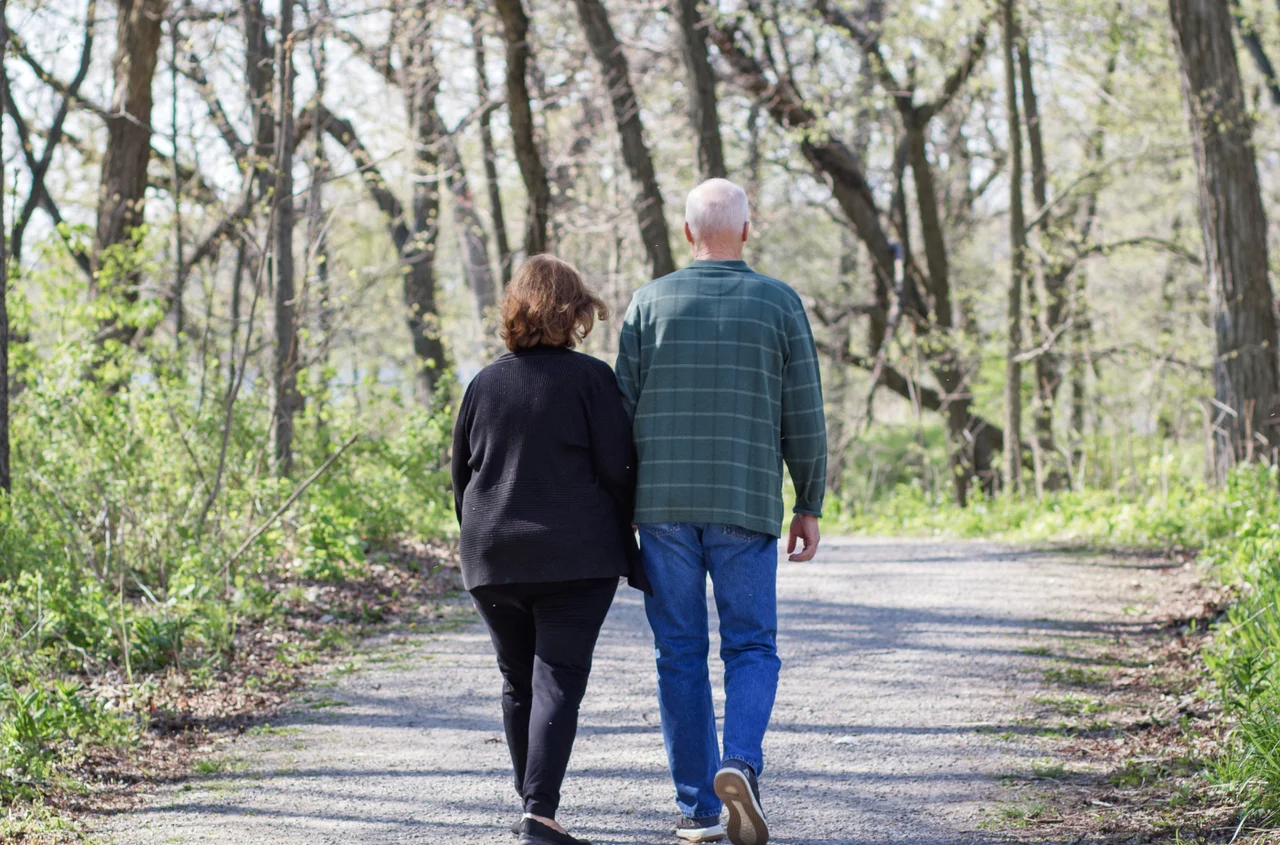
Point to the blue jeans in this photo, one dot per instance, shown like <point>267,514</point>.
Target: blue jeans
<point>743,566</point>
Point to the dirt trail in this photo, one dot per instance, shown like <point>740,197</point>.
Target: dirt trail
<point>906,669</point>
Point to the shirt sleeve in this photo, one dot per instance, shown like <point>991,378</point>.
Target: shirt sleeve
<point>461,459</point>
<point>804,425</point>
<point>627,368</point>
<point>613,455</point>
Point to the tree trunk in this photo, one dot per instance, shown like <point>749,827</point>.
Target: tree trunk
<point>419,83</point>
<point>473,243</point>
<point>626,112</point>
<point>259,68</point>
<point>515,31</point>
<point>701,83</point>
<point>260,75</point>
<point>1017,258</point>
<point>317,246</point>
<point>179,265</point>
<point>285,374</point>
<point>6,482</point>
<point>1246,371</point>
<point>490,156</point>
<point>122,190</point>
<point>1046,321</point>
<point>1078,364</point>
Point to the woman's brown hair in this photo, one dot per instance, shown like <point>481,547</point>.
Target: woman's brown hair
<point>548,303</point>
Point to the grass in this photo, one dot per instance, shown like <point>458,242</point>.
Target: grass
<point>324,702</point>
<point>266,729</point>
<point>219,765</point>
<point>1072,705</point>
<point>1048,770</point>
<point>1024,814</point>
<point>1073,676</point>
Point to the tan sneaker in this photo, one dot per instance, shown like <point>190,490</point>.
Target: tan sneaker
<point>736,786</point>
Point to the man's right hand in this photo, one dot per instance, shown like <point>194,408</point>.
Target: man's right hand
<point>805,529</point>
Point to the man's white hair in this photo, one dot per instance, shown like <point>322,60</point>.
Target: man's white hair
<point>716,207</point>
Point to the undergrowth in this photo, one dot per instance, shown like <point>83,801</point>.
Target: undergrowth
<point>147,527</point>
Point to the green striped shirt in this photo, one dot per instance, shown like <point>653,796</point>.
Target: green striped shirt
<point>718,368</point>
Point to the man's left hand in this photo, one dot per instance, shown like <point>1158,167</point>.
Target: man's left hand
<point>804,528</point>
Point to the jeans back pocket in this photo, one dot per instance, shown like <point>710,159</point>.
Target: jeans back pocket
<point>659,529</point>
<point>737,532</point>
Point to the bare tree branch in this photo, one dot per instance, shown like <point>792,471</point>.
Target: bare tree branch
<point>38,193</point>
<point>1253,43</point>
<point>192,69</point>
<point>38,189</point>
<point>961,73</point>
<point>1147,241</point>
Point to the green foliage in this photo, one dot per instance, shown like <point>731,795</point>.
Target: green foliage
<point>135,485</point>
<point>1245,658</point>
<point>46,727</point>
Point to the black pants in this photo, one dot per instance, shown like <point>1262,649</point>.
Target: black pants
<point>544,635</point>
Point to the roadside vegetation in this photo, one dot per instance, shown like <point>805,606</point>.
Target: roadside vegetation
<point>1233,531</point>
<point>153,566</point>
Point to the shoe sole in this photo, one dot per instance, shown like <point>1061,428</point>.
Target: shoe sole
<point>700,835</point>
<point>746,817</point>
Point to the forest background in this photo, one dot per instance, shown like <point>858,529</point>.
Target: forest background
<point>253,250</point>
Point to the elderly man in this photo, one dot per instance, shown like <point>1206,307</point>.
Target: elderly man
<point>717,365</point>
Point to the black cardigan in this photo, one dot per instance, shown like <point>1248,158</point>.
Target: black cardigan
<point>544,472</point>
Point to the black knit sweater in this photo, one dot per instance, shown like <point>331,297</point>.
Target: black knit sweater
<point>544,472</point>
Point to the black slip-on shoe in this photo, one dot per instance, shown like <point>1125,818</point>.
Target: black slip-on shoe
<point>517,827</point>
<point>736,786</point>
<point>534,832</point>
<point>701,829</point>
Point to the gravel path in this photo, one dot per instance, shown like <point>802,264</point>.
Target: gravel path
<point>906,666</point>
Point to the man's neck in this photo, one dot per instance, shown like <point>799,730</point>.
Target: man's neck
<point>715,253</point>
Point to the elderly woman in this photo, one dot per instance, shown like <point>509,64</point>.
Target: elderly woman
<point>544,481</point>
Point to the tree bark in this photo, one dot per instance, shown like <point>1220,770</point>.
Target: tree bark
<point>259,61</point>
<point>1078,365</point>
<point>6,481</point>
<point>419,83</point>
<point>1246,370</point>
<point>635,152</point>
<point>317,243</point>
<point>515,31</point>
<point>176,305</point>
<point>490,155</point>
<point>473,242</point>
<point>701,83</point>
<point>1046,320</point>
<point>122,189</point>
<point>1017,258</point>
<point>260,76</point>
<point>285,374</point>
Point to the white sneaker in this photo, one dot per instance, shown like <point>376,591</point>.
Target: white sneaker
<point>705,829</point>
